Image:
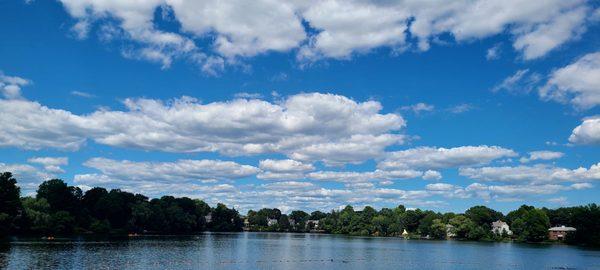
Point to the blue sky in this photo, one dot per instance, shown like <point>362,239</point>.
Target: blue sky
<point>285,105</point>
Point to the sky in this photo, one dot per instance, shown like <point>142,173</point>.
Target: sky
<point>308,105</point>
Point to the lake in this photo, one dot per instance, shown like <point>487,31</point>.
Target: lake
<point>287,251</point>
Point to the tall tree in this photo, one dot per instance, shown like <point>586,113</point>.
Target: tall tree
<point>10,203</point>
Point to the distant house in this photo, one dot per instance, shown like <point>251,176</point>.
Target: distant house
<point>271,221</point>
<point>450,231</point>
<point>312,224</point>
<point>246,224</point>
<point>405,233</point>
<point>499,227</point>
<point>560,233</point>
<point>208,218</point>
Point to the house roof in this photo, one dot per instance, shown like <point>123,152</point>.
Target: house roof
<point>563,229</point>
<point>499,223</point>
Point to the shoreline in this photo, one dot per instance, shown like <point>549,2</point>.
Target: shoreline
<point>59,238</point>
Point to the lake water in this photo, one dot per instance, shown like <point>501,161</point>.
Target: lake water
<point>288,251</point>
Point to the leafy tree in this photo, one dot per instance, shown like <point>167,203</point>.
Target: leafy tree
<point>62,222</point>
<point>317,215</point>
<point>284,223</point>
<point>483,216</point>
<point>10,203</point>
<point>530,224</point>
<point>426,222</point>
<point>225,219</point>
<point>60,196</point>
<point>462,226</point>
<point>38,215</point>
<point>100,226</point>
<point>299,217</point>
<point>438,229</point>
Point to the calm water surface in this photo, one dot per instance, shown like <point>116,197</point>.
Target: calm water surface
<point>288,251</point>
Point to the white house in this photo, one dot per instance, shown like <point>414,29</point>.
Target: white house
<point>499,227</point>
<point>271,221</point>
<point>314,222</point>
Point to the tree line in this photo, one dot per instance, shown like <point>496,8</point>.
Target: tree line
<point>60,209</point>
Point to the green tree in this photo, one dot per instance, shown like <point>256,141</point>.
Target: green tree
<point>10,203</point>
<point>529,224</point>
<point>225,219</point>
<point>38,215</point>
<point>60,196</point>
<point>284,223</point>
<point>483,216</point>
<point>299,218</point>
<point>438,229</point>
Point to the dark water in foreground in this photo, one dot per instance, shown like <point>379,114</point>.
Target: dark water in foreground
<point>288,251</point>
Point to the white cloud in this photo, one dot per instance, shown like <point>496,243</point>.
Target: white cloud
<point>517,192</point>
<point>242,28</point>
<point>541,155</point>
<point>493,53</point>
<point>349,177</point>
<point>339,35</point>
<point>51,164</point>
<point>237,29</point>
<point>536,41</point>
<point>419,107</point>
<point>30,125</point>
<point>285,169</point>
<point>432,175</point>
<point>577,83</point>
<point>180,170</point>
<point>10,86</point>
<point>82,94</point>
<point>307,127</point>
<point>522,82</point>
<point>285,165</point>
<point>562,200</point>
<point>55,161</point>
<point>588,132</point>
<point>439,158</point>
<point>440,187</point>
<point>461,108</point>
<point>538,174</point>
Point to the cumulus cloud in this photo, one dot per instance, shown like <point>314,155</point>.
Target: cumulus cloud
<point>439,158</point>
<point>180,170</point>
<point>516,192</point>
<point>577,83</point>
<point>285,169</point>
<point>323,29</point>
<point>377,175</point>
<point>306,127</point>
<point>588,132</point>
<point>542,155</point>
<point>51,164</point>
<point>432,175</point>
<point>10,86</point>
<point>30,125</point>
<point>538,174</point>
